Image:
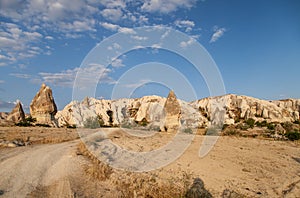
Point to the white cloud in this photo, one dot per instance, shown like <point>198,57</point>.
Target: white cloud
<point>18,75</point>
<point>218,32</point>
<point>114,46</point>
<point>139,38</point>
<point>85,76</point>
<point>184,44</point>
<point>112,14</point>
<point>137,84</point>
<point>114,3</point>
<point>2,81</point>
<point>17,43</point>
<point>117,62</point>
<point>49,37</point>
<point>52,15</point>
<point>110,26</point>
<point>166,6</point>
<point>187,24</point>
<point>126,30</point>
<point>114,27</point>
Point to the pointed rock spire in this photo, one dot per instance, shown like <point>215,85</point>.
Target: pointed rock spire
<point>17,114</point>
<point>172,109</point>
<point>43,107</point>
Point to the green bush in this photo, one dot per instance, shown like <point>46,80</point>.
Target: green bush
<point>212,131</point>
<point>28,122</point>
<point>250,122</point>
<point>271,126</point>
<point>30,119</point>
<point>23,124</point>
<point>296,122</point>
<point>288,126</point>
<point>188,131</point>
<point>293,135</point>
<point>231,132</point>
<point>143,123</point>
<point>92,123</point>
<point>237,120</point>
<point>261,124</point>
<point>224,126</point>
<point>71,126</point>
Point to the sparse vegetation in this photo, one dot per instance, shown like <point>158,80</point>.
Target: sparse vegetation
<point>293,135</point>
<point>296,122</point>
<point>261,124</point>
<point>143,123</point>
<point>96,169</point>
<point>71,126</point>
<point>23,124</point>
<point>271,126</point>
<point>42,125</point>
<point>250,122</point>
<point>212,131</point>
<point>131,184</point>
<point>288,126</point>
<point>127,124</point>
<point>188,130</point>
<point>231,132</point>
<point>92,123</point>
<point>27,123</point>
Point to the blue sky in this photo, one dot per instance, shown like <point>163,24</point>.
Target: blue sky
<point>255,45</point>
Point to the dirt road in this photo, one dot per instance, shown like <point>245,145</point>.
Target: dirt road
<point>24,169</point>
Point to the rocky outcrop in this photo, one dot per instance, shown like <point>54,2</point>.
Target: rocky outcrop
<point>147,110</point>
<point>172,112</point>
<point>158,112</point>
<point>244,107</point>
<point>17,114</point>
<point>43,107</point>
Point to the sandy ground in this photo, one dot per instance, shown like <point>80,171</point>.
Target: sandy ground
<point>251,167</point>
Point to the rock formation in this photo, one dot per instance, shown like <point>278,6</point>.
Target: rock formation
<point>244,107</point>
<point>157,112</point>
<point>120,112</point>
<point>172,111</point>
<point>17,114</point>
<point>43,107</point>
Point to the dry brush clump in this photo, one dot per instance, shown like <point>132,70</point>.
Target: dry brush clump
<point>96,168</point>
<point>151,184</point>
<point>130,184</point>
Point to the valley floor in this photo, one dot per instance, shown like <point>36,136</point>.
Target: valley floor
<point>251,167</point>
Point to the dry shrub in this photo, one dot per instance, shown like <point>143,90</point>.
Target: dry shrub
<point>96,168</point>
<point>130,184</point>
<point>150,184</point>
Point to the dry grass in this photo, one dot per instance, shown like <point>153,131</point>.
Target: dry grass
<point>128,184</point>
<point>38,135</point>
<point>96,168</point>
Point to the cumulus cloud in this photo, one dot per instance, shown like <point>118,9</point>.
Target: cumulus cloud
<point>16,43</point>
<point>117,62</point>
<point>185,44</point>
<point>186,24</point>
<point>218,33</point>
<point>110,26</point>
<point>114,46</point>
<point>114,27</point>
<point>112,14</point>
<point>126,30</point>
<point>166,6</point>
<point>84,76</point>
